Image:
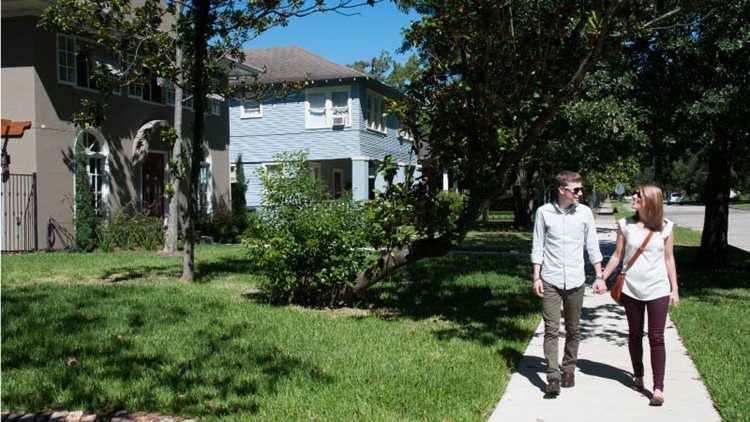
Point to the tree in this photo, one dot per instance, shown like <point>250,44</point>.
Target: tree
<point>177,160</point>
<point>239,188</point>
<point>494,74</point>
<point>695,80</point>
<point>205,31</point>
<point>85,216</point>
<point>387,70</point>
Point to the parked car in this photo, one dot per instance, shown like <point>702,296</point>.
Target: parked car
<point>675,198</point>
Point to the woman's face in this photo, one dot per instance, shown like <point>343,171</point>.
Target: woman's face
<point>636,201</point>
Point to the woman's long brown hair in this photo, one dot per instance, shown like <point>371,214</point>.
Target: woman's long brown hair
<point>651,213</point>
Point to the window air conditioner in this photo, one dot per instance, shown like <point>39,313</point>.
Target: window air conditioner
<point>339,121</point>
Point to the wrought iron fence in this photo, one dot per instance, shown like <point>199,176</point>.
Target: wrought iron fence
<point>19,213</point>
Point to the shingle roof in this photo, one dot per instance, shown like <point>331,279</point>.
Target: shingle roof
<point>288,64</point>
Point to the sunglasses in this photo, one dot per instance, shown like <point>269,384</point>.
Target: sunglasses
<point>637,194</point>
<point>575,191</point>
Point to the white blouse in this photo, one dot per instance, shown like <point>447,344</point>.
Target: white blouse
<point>647,279</point>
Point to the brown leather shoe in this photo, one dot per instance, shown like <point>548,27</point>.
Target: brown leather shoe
<point>568,379</point>
<point>553,387</point>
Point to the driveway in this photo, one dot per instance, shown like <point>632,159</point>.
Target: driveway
<point>692,216</point>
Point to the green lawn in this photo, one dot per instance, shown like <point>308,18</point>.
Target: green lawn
<point>116,331</point>
<point>744,205</point>
<point>713,320</point>
<point>438,340</point>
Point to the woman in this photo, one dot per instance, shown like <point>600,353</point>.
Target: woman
<point>650,285</point>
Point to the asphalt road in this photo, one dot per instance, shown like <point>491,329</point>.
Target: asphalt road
<point>692,216</point>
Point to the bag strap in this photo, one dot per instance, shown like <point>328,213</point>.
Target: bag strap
<point>639,251</point>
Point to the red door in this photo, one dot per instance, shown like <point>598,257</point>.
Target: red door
<point>153,185</point>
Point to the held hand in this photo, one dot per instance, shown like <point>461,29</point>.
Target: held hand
<point>538,288</point>
<point>674,299</point>
<point>599,287</point>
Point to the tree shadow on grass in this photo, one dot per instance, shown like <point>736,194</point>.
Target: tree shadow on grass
<point>101,348</point>
<point>701,282</point>
<point>478,298</point>
<point>207,270</point>
<point>210,270</point>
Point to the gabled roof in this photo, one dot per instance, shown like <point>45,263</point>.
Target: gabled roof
<point>292,64</point>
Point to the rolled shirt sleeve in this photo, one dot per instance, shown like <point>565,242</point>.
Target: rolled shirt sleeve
<point>558,243</point>
<point>537,243</point>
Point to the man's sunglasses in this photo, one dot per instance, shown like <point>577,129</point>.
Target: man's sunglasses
<point>577,191</point>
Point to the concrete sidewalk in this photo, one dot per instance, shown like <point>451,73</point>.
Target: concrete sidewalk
<point>604,373</point>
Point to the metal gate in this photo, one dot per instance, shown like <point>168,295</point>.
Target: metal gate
<point>19,213</point>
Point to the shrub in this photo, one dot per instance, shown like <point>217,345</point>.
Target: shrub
<point>308,246</point>
<point>223,225</point>
<point>128,229</point>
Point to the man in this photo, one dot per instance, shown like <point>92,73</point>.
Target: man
<point>561,230</point>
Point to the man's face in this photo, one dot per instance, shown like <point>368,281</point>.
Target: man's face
<point>571,193</point>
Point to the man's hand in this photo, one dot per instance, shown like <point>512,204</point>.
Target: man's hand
<point>538,287</point>
<point>599,286</point>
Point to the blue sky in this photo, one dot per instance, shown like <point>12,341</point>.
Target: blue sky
<point>343,39</point>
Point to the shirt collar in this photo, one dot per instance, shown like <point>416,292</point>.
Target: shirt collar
<point>561,210</point>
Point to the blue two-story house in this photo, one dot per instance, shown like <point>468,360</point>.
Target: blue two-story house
<point>340,119</point>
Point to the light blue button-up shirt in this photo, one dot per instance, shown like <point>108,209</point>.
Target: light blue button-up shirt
<point>559,237</point>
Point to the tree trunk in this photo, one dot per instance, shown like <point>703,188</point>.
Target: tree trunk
<point>200,44</point>
<point>714,245</point>
<point>170,237</point>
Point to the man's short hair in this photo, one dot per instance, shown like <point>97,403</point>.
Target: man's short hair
<point>566,177</point>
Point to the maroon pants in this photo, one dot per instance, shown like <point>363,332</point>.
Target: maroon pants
<point>657,319</point>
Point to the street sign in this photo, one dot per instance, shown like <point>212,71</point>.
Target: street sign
<point>619,190</point>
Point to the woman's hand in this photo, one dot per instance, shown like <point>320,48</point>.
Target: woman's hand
<point>674,299</point>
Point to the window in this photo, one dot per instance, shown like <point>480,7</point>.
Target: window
<point>96,150</point>
<point>66,59</point>
<point>250,109</point>
<point>170,92</point>
<point>187,99</point>
<point>327,107</point>
<point>204,180</point>
<point>338,182</point>
<point>95,169</point>
<point>135,90</point>
<point>340,107</point>
<point>215,106</point>
<point>404,133</point>
<point>75,62</point>
<point>204,193</point>
<point>375,112</point>
<point>151,90</point>
<point>315,170</point>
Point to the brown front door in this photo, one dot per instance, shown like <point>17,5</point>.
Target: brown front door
<point>153,185</point>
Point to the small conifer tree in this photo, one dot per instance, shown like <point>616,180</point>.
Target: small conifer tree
<point>85,217</point>
<point>239,204</point>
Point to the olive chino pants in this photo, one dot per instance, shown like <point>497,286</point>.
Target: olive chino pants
<point>566,303</point>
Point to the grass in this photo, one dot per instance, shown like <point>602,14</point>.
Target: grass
<point>116,331</point>
<point>438,340</point>
<point>744,205</point>
<point>714,321</point>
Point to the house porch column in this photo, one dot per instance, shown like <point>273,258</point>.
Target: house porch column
<point>360,178</point>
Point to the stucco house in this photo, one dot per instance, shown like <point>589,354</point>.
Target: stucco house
<point>44,78</point>
<point>340,119</point>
